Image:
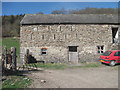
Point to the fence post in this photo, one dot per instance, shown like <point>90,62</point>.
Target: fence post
<point>5,53</point>
<point>26,56</point>
<point>13,53</point>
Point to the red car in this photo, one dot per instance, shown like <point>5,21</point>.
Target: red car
<point>110,57</point>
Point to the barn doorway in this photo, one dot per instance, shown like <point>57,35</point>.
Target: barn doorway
<point>114,34</point>
<point>73,54</point>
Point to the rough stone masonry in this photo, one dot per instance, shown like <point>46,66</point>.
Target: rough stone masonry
<point>68,38</point>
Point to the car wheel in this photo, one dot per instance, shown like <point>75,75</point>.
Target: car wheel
<point>102,63</point>
<point>112,63</point>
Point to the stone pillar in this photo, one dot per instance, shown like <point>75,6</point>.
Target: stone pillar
<point>26,56</point>
<point>14,63</point>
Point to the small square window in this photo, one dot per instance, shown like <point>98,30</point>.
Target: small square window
<point>100,49</point>
<point>72,48</point>
<point>43,51</point>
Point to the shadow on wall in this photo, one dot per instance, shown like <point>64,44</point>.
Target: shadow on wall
<point>31,59</point>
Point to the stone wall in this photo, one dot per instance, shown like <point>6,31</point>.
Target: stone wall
<point>57,38</point>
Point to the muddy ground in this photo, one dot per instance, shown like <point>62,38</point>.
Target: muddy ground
<point>99,77</point>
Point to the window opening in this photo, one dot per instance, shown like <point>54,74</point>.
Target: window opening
<point>72,48</point>
<point>60,28</point>
<point>43,37</point>
<point>44,51</point>
<point>54,36</point>
<point>31,36</point>
<point>114,34</point>
<point>100,49</point>
<point>76,35</point>
<point>71,28</point>
<point>65,36</point>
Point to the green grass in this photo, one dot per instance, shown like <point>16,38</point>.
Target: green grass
<point>11,42</point>
<point>51,66</point>
<point>64,66</point>
<point>16,82</point>
<point>90,65</point>
<point>0,42</point>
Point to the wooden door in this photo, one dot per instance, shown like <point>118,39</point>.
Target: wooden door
<point>73,54</point>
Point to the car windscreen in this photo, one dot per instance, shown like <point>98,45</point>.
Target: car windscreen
<point>107,53</point>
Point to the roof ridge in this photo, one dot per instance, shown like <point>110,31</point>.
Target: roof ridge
<point>69,18</point>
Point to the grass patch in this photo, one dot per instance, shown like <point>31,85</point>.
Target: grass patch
<point>92,65</point>
<point>51,66</point>
<point>0,42</point>
<point>89,65</point>
<point>11,42</point>
<point>65,66</point>
<point>16,82</point>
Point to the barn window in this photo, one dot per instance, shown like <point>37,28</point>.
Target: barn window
<point>72,48</point>
<point>115,35</point>
<point>76,35</point>
<point>60,28</point>
<point>54,36</point>
<point>43,51</point>
<point>71,28</point>
<point>43,36</point>
<point>31,36</point>
<point>65,36</point>
<point>48,27</point>
<point>100,49</point>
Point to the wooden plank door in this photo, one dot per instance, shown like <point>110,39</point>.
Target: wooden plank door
<point>73,54</point>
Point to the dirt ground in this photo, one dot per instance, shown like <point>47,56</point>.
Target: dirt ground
<point>100,77</point>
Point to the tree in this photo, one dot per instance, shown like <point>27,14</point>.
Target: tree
<point>11,25</point>
<point>40,13</point>
<point>87,11</point>
<point>61,11</point>
<point>95,11</point>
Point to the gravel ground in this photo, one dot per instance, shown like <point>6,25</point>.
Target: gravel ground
<point>100,77</point>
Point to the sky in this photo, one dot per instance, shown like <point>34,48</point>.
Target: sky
<point>17,8</point>
<point>60,0</point>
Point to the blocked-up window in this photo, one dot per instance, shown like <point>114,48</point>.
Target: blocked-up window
<point>100,49</point>
<point>35,29</point>
<point>43,51</point>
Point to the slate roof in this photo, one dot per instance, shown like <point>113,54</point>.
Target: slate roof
<point>69,19</point>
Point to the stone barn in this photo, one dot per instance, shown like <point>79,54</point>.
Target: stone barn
<point>68,38</point>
